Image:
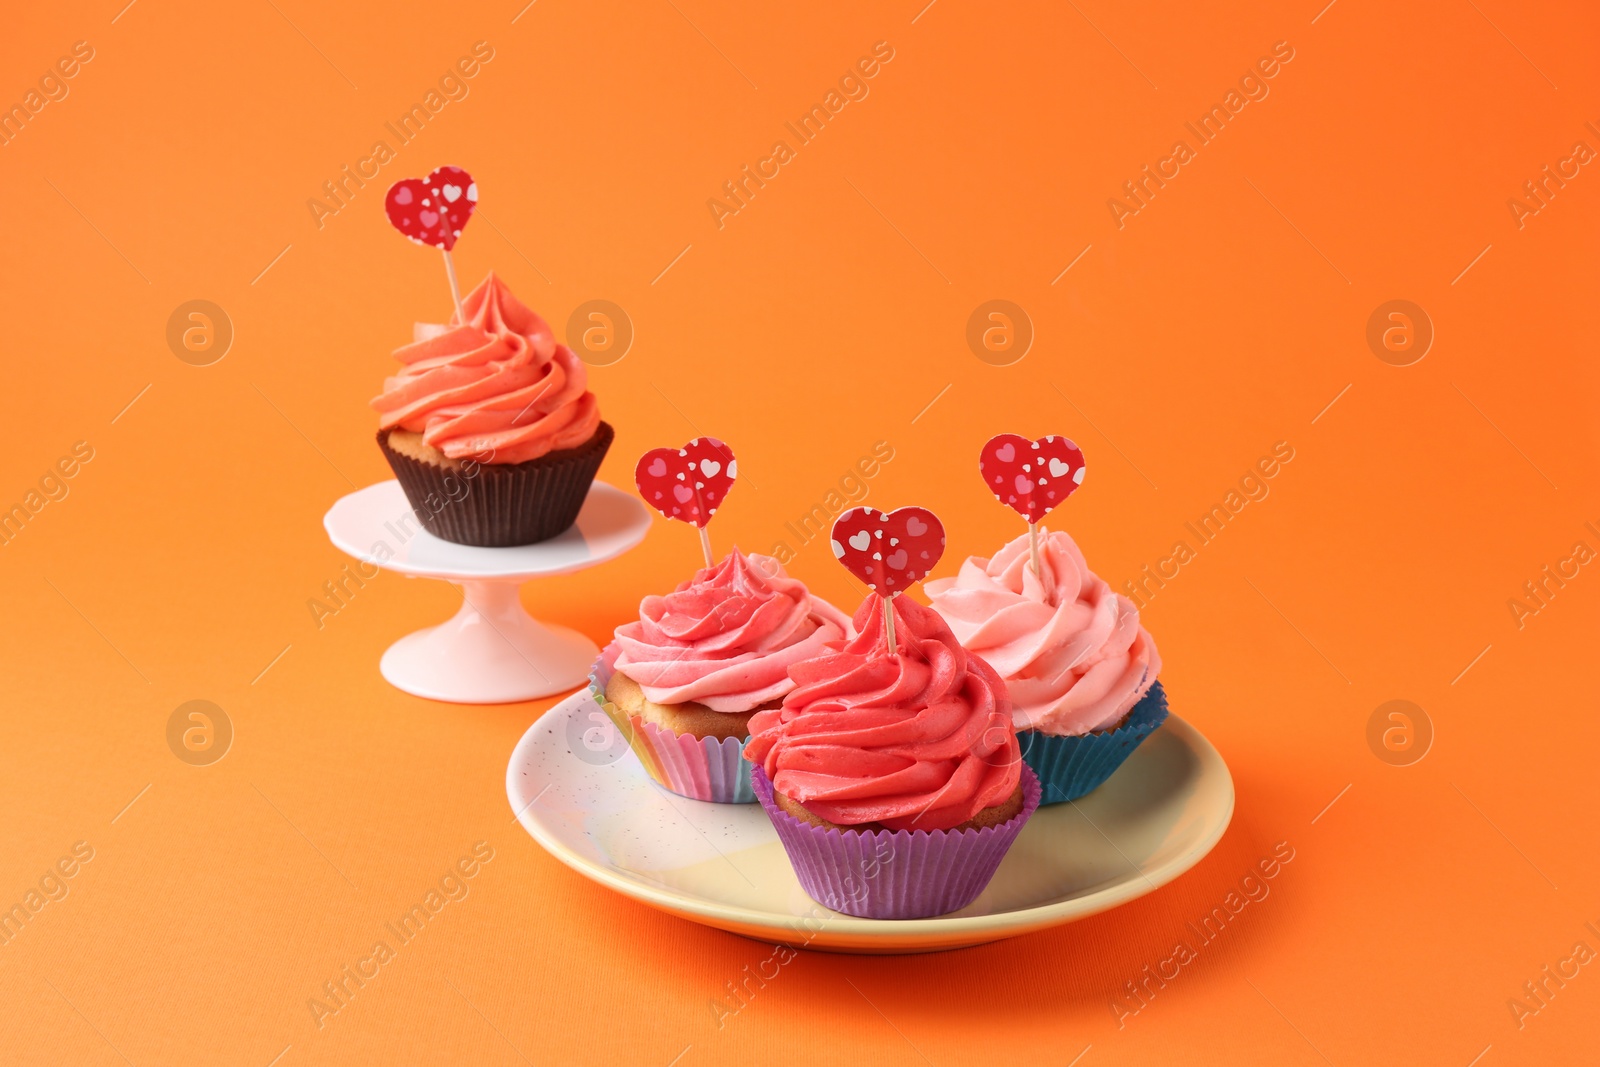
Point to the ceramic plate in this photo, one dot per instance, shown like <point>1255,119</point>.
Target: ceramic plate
<point>580,791</point>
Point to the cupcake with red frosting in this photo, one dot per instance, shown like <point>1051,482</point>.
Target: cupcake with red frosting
<point>490,425</point>
<point>894,780</point>
<point>1079,668</point>
<point>684,681</point>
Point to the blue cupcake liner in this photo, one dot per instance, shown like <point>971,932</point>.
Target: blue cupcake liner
<point>1072,767</point>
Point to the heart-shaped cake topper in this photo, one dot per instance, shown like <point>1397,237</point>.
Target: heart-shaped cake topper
<point>1031,476</point>
<point>433,210</point>
<point>889,552</point>
<point>687,483</point>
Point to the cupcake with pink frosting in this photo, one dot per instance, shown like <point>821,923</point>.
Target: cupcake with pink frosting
<point>490,425</point>
<point>684,681</point>
<point>1080,670</point>
<point>894,780</point>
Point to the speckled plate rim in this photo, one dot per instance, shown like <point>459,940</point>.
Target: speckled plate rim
<point>844,933</point>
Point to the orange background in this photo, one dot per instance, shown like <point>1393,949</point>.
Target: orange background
<point>823,317</point>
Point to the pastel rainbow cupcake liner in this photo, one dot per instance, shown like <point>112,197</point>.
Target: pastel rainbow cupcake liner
<point>894,874</point>
<point>1072,767</point>
<point>700,768</point>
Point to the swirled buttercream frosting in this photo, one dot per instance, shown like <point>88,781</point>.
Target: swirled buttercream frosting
<point>1071,651</point>
<point>492,385</point>
<point>727,637</point>
<point>918,740</point>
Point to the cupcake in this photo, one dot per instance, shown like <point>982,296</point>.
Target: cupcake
<point>490,426</point>
<point>894,780</point>
<point>1080,670</point>
<point>684,681</point>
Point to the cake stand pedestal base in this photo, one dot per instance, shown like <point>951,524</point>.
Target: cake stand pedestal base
<point>492,651</point>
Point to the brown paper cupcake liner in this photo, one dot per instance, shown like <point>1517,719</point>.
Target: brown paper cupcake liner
<point>495,505</point>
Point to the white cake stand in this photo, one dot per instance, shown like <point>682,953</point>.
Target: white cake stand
<point>493,651</point>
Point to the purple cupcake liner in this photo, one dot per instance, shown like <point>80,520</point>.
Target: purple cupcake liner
<point>894,874</point>
<point>700,768</point>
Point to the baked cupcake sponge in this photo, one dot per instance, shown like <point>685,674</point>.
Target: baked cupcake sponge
<point>993,815</point>
<point>686,718</point>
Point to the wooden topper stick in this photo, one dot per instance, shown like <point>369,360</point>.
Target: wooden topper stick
<point>433,211</point>
<point>705,545</point>
<point>455,290</point>
<point>888,622</point>
<point>1047,577</point>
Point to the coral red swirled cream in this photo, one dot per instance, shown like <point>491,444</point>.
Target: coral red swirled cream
<point>1071,650</point>
<point>727,637</point>
<point>495,388</point>
<point>921,740</point>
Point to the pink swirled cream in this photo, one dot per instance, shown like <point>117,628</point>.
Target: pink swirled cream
<point>1071,651</point>
<point>723,642</point>
<point>918,740</point>
<point>494,387</point>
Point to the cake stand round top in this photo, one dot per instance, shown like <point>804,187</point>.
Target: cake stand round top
<point>377,524</point>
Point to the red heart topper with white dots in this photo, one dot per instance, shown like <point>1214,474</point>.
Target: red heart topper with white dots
<point>434,210</point>
<point>688,483</point>
<point>890,552</point>
<point>1031,476</point>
